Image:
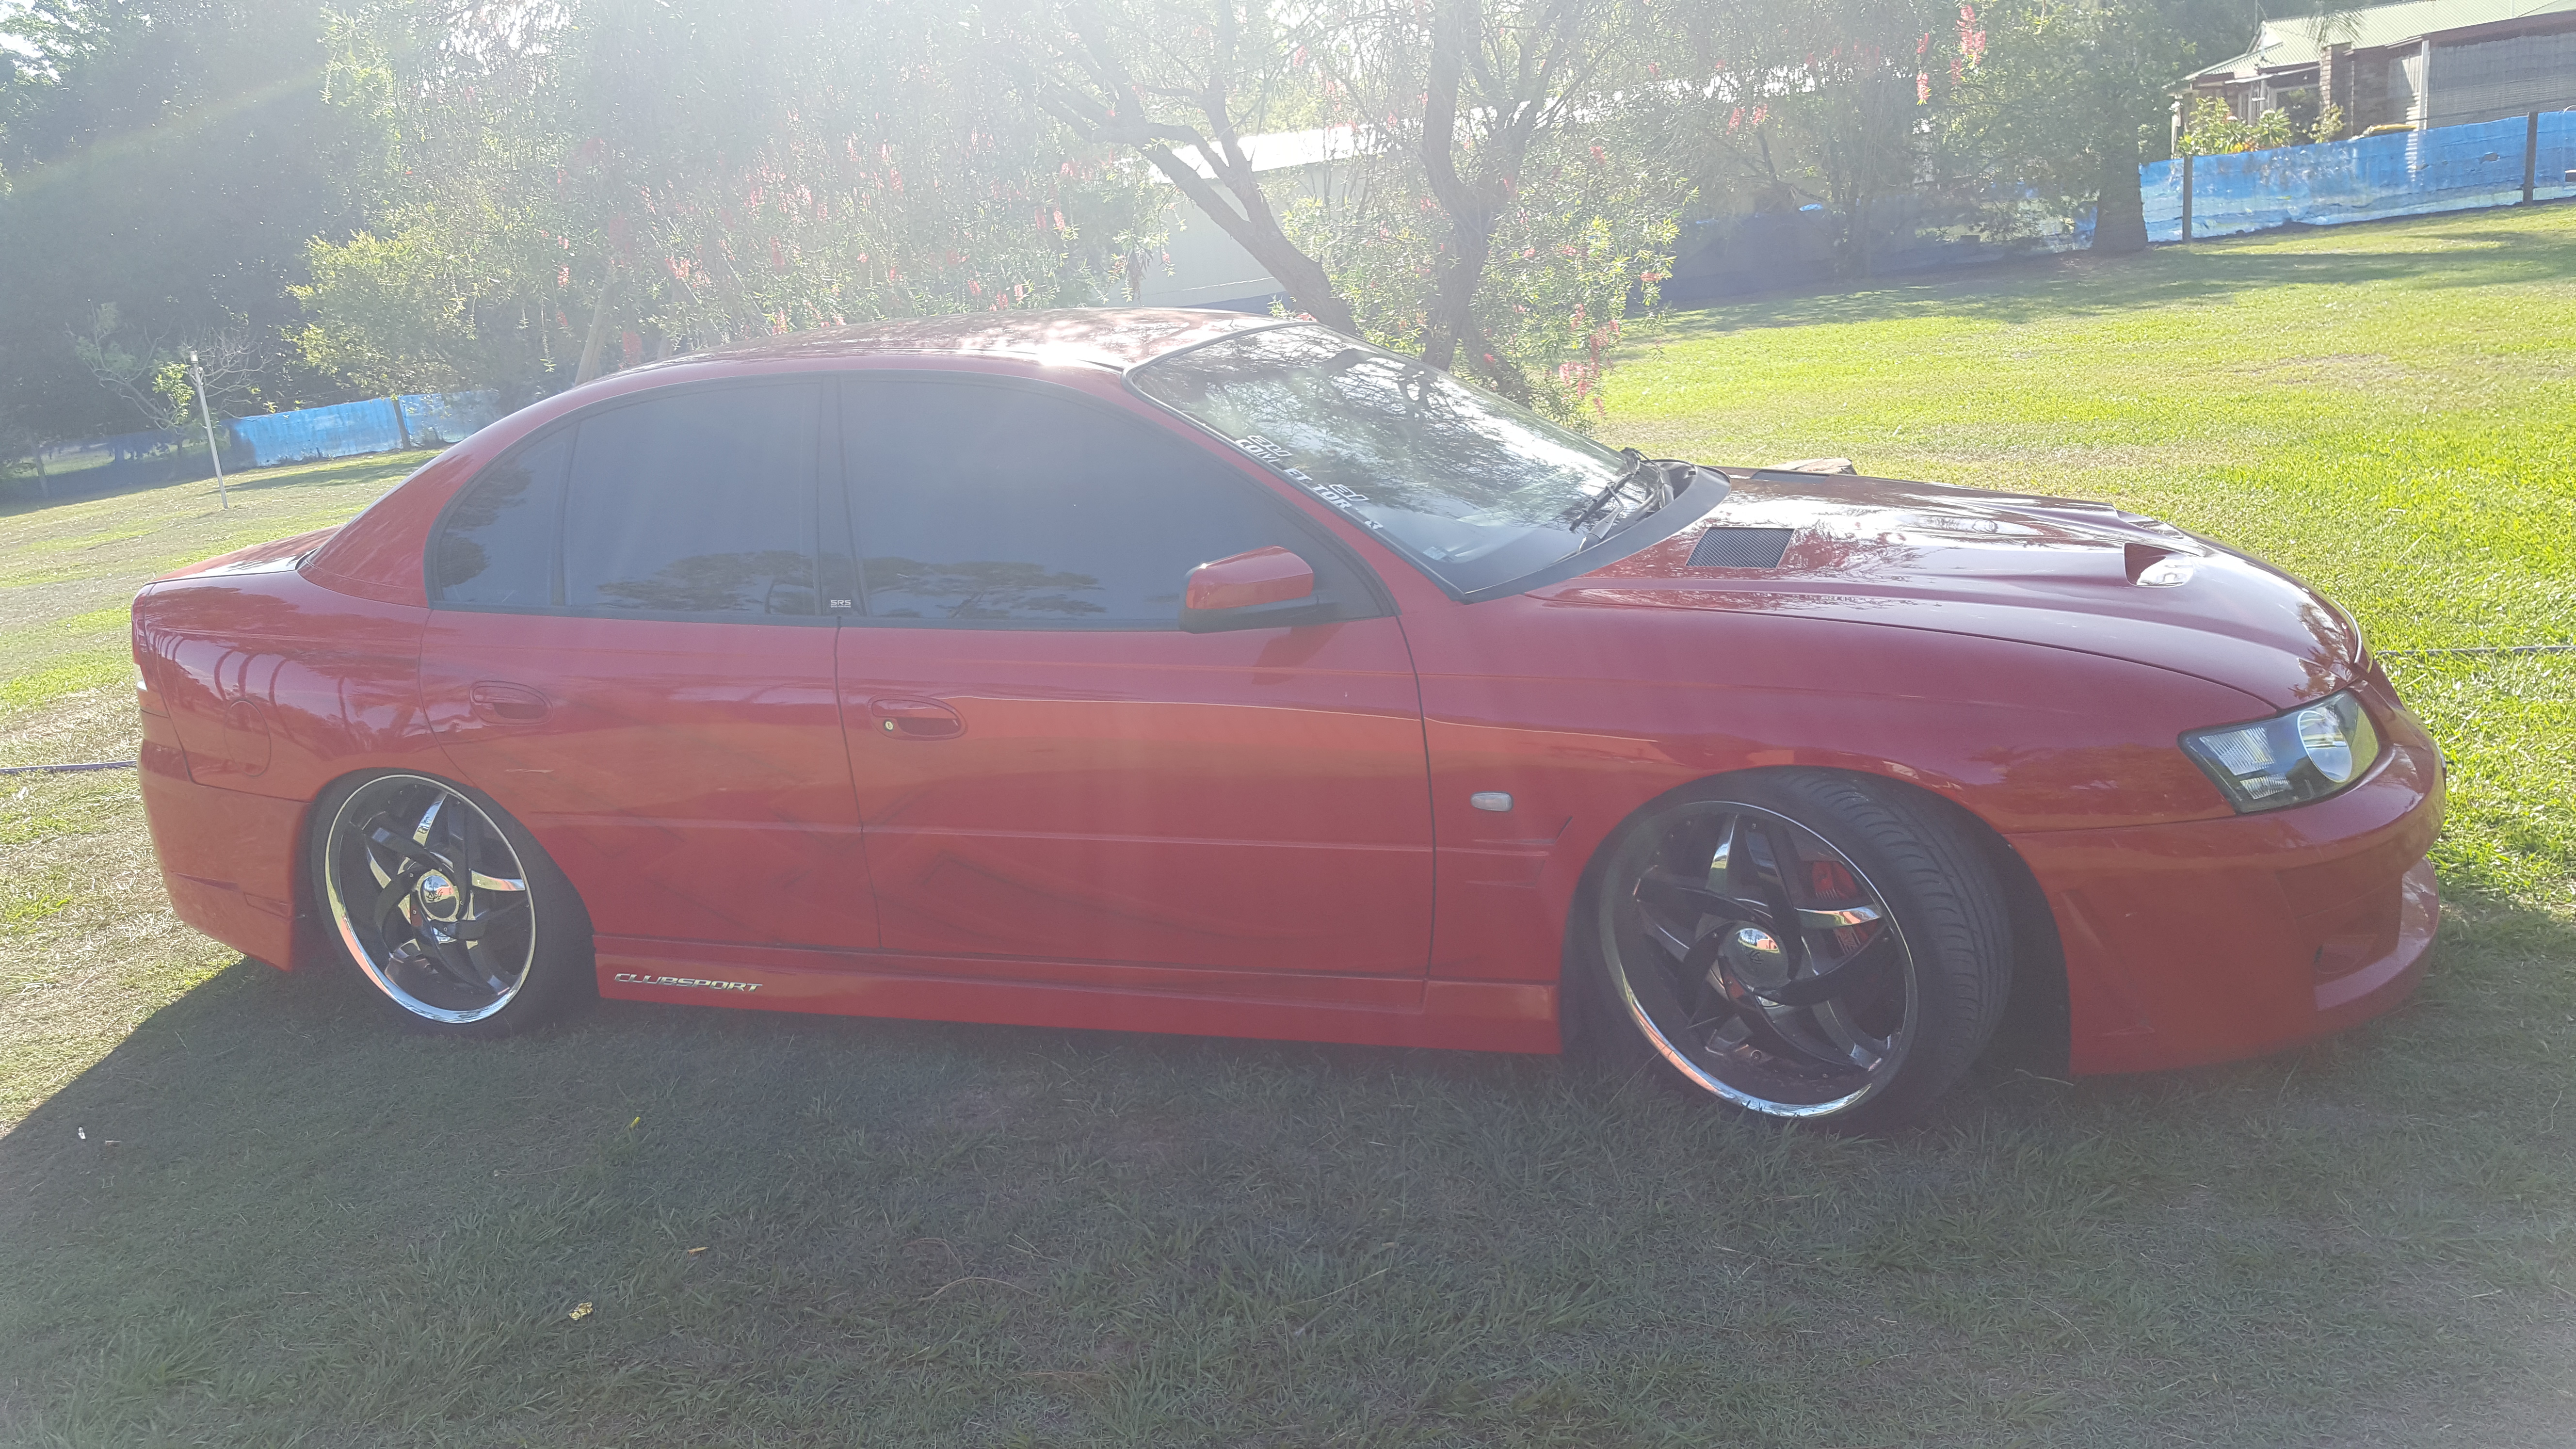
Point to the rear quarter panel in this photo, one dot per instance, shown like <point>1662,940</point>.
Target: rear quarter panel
<point>272,686</point>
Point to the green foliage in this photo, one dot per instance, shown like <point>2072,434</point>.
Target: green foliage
<point>2073,92</point>
<point>691,173</point>
<point>1586,240</point>
<point>169,158</point>
<point>1817,103</point>
<point>135,375</point>
<point>414,312</point>
<point>2210,128</point>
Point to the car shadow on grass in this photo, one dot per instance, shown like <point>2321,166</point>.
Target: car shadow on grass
<point>270,1213</point>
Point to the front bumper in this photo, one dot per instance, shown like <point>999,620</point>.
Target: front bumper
<point>2215,940</point>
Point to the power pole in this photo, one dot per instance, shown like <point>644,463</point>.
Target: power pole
<point>206,415</point>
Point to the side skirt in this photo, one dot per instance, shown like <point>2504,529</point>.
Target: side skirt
<point>1510,1016</point>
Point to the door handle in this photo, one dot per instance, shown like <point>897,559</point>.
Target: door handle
<point>915,719</point>
<point>500,703</point>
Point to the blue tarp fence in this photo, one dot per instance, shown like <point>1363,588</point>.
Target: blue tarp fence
<point>346,430</point>
<point>2449,168</point>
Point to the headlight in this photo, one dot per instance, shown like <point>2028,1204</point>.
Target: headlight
<point>2306,754</point>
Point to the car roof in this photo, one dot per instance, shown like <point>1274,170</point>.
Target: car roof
<point>1116,338</point>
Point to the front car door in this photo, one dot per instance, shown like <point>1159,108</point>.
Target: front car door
<point>1057,782</point>
<point>628,650</point>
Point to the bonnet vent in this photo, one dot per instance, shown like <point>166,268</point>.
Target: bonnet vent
<point>1741,548</point>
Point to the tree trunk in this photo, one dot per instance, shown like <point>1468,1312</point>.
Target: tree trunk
<point>598,339</point>
<point>2120,215</point>
<point>1256,229</point>
<point>1453,308</point>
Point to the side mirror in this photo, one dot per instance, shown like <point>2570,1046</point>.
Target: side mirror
<point>1268,588</point>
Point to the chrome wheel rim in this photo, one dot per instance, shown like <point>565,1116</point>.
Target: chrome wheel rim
<point>1759,960</point>
<point>430,899</point>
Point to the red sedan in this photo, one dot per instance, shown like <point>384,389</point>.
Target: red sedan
<point>1177,671</point>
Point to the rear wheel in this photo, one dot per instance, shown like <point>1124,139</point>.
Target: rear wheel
<point>447,905</point>
<point>1802,945</point>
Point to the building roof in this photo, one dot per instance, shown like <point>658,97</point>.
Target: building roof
<point>2302,40</point>
<point>1282,150</point>
<point>1113,337</point>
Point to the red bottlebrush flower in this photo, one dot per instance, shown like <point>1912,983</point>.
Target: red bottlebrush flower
<point>563,276</point>
<point>1760,114</point>
<point>777,256</point>
<point>1922,88</point>
<point>1924,44</point>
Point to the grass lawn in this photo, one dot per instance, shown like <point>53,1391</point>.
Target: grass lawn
<point>236,1209</point>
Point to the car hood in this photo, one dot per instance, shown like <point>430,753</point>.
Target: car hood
<point>2056,572</point>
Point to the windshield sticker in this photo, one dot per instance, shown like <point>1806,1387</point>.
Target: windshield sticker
<point>1262,448</point>
<point>1332,492</point>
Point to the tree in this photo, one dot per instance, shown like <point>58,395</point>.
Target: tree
<point>168,158</point>
<point>1180,83</point>
<point>689,173</point>
<point>1821,102</point>
<point>1511,194</point>
<point>2069,91</point>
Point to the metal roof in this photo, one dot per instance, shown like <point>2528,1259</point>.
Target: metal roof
<point>2302,40</point>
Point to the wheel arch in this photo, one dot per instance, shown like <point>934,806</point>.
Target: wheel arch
<point>2035,1033</point>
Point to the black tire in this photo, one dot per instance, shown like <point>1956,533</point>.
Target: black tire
<point>504,950</point>
<point>1675,962</point>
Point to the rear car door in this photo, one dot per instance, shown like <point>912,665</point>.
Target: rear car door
<point>1051,771</point>
<point>628,650</point>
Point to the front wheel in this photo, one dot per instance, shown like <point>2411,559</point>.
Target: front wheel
<point>447,905</point>
<point>1802,945</point>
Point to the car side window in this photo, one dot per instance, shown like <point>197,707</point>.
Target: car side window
<point>497,545</point>
<point>697,502</point>
<point>1016,507</point>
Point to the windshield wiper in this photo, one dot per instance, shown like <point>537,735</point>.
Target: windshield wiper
<point>1654,502</point>
<point>1636,460</point>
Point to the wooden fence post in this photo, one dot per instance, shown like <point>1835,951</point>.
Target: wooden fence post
<point>2186,196</point>
<point>2530,155</point>
<point>44,490</point>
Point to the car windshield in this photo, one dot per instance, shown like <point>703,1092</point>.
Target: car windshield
<point>1474,489</point>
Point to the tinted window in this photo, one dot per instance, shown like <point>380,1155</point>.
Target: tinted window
<point>498,545</point>
<point>987,504</point>
<point>699,502</point>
